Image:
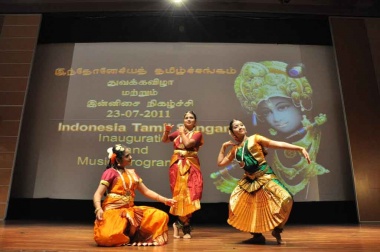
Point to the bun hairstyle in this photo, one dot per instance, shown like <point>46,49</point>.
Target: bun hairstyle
<point>114,154</point>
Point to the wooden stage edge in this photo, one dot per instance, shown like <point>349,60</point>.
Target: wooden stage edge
<point>49,237</point>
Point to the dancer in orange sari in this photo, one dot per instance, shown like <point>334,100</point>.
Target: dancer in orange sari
<point>118,221</point>
<point>260,202</point>
<point>186,181</point>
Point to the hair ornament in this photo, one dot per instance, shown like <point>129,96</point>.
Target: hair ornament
<point>110,152</point>
<point>113,158</point>
<point>119,147</point>
<point>296,71</point>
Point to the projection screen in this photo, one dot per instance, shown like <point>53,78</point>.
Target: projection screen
<point>85,97</point>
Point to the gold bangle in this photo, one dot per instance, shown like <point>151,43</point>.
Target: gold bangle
<point>97,209</point>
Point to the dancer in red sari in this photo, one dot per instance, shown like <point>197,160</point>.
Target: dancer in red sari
<point>118,221</point>
<point>186,181</point>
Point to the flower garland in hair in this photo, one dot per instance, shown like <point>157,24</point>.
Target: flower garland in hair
<point>111,155</point>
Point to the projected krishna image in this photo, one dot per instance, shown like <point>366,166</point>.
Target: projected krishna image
<point>278,96</point>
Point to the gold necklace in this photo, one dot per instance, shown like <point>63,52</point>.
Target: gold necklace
<point>127,189</point>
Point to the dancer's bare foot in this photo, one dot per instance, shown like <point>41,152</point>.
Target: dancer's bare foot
<point>258,238</point>
<point>187,236</point>
<point>175,231</point>
<point>186,231</point>
<point>277,234</point>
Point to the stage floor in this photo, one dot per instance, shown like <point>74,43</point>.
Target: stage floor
<point>47,236</point>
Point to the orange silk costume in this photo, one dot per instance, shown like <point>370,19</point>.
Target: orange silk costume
<point>259,203</point>
<point>124,223</point>
<point>186,181</point>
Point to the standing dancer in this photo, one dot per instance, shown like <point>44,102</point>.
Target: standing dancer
<point>186,181</point>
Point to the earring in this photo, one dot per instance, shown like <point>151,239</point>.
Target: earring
<point>273,132</point>
<point>254,119</point>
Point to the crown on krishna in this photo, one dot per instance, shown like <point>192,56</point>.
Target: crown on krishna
<point>259,81</point>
